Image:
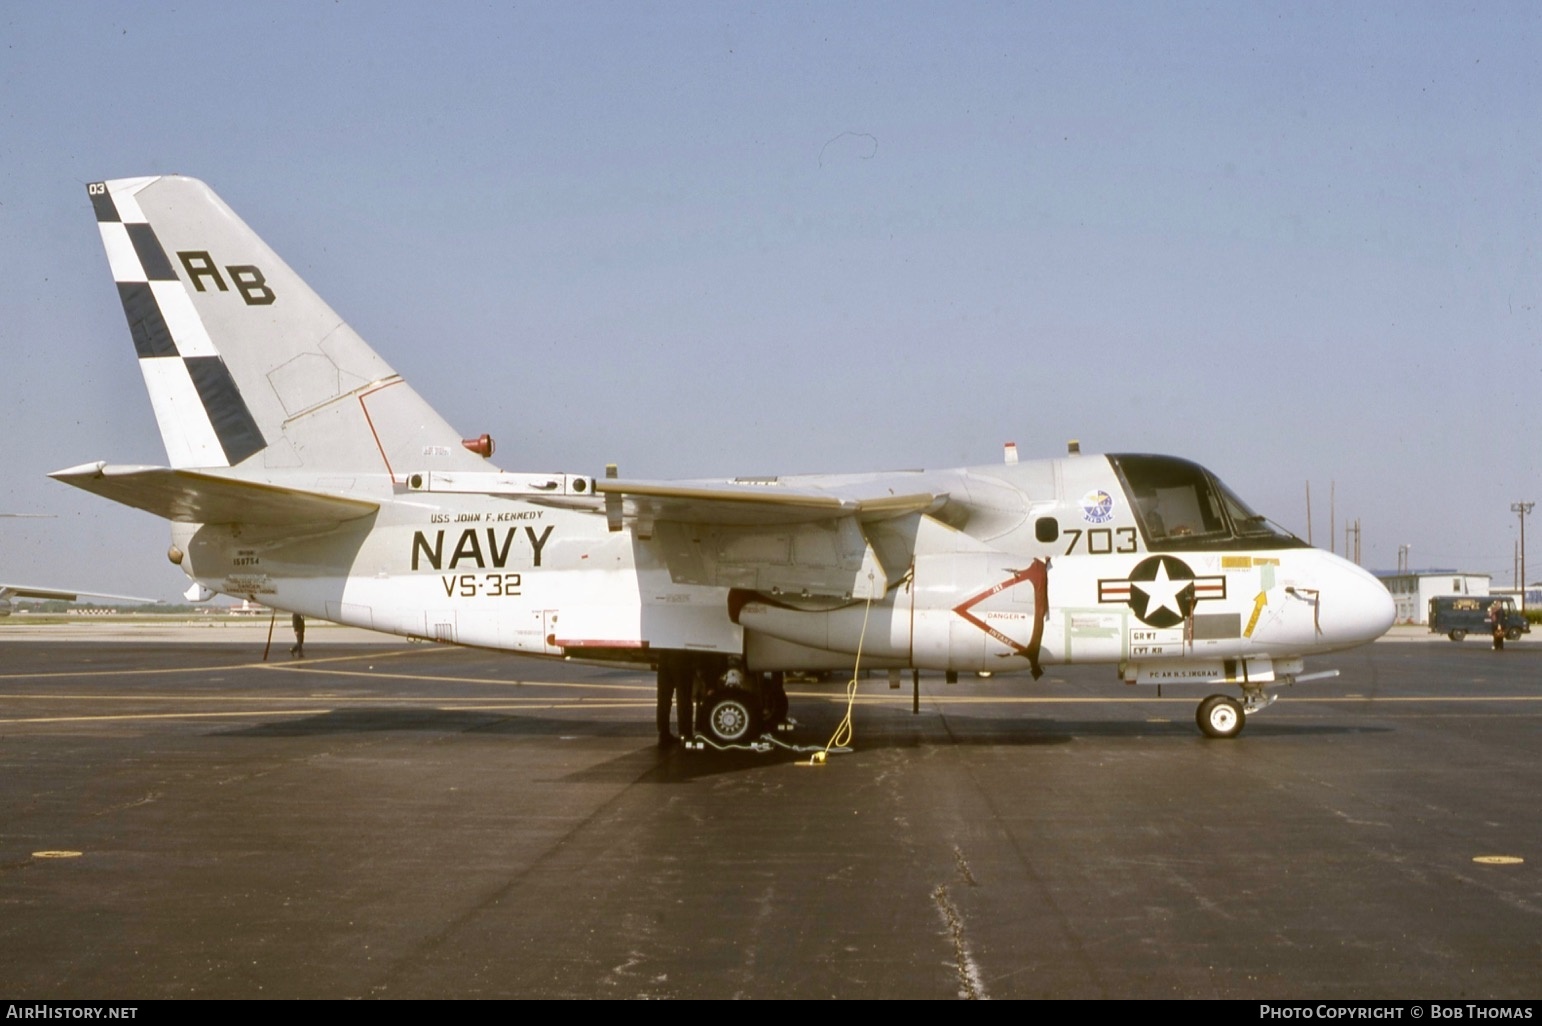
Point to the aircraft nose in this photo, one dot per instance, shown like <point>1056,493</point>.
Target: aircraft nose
<point>1357,608</point>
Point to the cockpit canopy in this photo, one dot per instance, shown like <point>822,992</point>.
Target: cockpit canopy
<point>1181,506</point>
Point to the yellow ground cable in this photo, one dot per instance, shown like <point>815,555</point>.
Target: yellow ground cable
<point>842,736</point>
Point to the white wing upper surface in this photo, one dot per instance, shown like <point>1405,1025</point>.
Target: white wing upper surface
<point>739,503</point>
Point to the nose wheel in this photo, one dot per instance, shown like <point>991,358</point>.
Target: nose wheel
<point>1220,716</point>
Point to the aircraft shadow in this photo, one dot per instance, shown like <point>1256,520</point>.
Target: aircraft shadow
<point>1052,731</point>
<point>387,719</point>
<point>649,764</point>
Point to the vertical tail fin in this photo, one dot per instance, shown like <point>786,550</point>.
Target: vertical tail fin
<point>245,365</point>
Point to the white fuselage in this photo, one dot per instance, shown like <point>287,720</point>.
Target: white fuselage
<point>983,582</point>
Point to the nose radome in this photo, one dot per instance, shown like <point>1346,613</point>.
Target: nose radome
<point>1357,608</point>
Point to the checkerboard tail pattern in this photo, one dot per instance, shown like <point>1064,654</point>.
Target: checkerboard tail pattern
<point>203,418</point>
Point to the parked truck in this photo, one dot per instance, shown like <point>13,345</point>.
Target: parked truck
<point>1460,615</point>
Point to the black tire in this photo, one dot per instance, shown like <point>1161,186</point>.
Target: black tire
<point>729,717</point>
<point>1458,635</point>
<point>1220,717</point>
<point>1513,634</point>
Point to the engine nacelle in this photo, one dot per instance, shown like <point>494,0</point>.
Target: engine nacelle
<point>957,611</point>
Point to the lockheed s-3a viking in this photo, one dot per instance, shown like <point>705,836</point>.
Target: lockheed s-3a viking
<point>305,474</point>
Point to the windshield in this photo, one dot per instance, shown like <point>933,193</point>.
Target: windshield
<point>1181,506</point>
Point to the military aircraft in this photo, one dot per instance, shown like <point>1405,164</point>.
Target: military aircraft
<point>307,475</point>
<point>8,592</point>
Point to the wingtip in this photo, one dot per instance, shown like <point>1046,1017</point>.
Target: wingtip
<point>84,470</point>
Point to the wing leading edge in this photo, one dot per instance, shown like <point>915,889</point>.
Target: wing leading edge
<point>770,504</point>
<point>773,536</point>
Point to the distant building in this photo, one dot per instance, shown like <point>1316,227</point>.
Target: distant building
<point>1533,596</point>
<point>1411,593</point>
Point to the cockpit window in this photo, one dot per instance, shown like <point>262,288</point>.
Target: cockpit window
<point>1248,524</point>
<point>1181,506</point>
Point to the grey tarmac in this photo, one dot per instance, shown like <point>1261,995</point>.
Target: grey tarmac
<point>180,819</point>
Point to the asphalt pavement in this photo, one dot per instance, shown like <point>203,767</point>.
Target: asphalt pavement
<point>180,818</point>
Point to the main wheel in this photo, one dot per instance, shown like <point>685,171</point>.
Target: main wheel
<point>1513,634</point>
<point>1220,716</point>
<point>730,716</point>
<point>1458,635</point>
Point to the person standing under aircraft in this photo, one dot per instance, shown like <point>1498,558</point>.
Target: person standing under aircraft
<point>298,648</point>
<point>676,681</point>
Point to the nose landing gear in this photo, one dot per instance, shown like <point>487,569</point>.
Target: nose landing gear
<point>1220,716</point>
<point>1224,717</point>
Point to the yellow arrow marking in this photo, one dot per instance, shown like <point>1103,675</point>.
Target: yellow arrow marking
<point>1258,608</point>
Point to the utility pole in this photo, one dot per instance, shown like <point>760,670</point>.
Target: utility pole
<point>1520,509</point>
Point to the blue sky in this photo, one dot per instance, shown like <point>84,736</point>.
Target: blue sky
<point>1293,242</point>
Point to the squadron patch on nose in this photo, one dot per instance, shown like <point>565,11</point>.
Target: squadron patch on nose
<point>1097,507</point>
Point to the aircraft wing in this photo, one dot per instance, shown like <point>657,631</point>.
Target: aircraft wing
<point>190,496</point>
<point>772,503</point>
<point>25,591</point>
<point>798,537</point>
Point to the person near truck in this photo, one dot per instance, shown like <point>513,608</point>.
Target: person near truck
<point>1496,615</point>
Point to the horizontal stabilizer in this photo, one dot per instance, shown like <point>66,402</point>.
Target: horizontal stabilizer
<point>710,502</point>
<point>193,497</point>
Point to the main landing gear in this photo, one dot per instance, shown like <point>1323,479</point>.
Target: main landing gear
<point>737,707</point>
<point>730,716</point>
<point>733,706</point>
